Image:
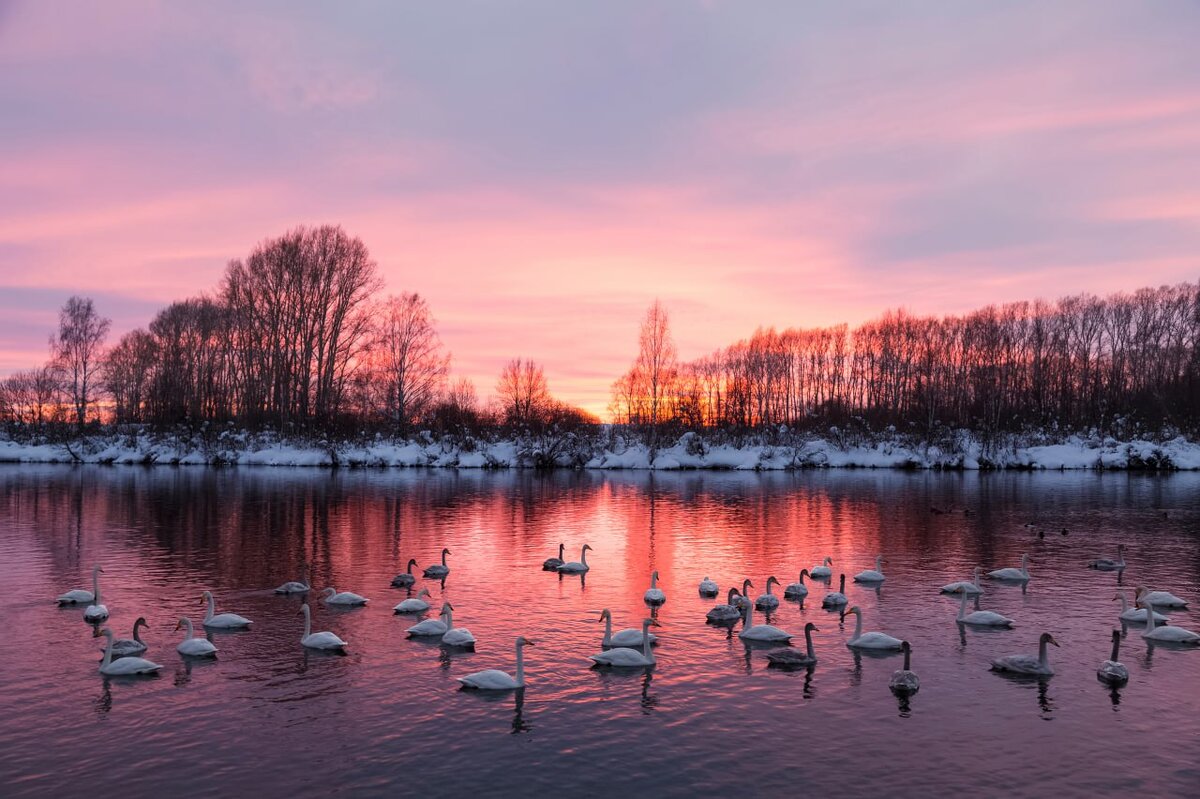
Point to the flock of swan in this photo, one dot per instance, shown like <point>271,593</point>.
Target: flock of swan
<point>634,648</point>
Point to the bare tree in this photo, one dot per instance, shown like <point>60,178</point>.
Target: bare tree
<point>77,349</point>
<point>523,392</point>
<point>408,354</point>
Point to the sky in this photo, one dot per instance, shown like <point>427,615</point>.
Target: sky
<point>542,171</point>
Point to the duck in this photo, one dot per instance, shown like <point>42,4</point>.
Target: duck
<point>193,647</point>
<point>870,640</point>
<point>760,632</point>
<point>981,618</point>
<point>1106,565</point>
<point>904,681</point>
<point>628,657</point>
<point>456,636</point>
<point>793,658</point>
<point>323,641</point>
<point>730,611</point>
<point>823,571</point>
<point>768,601</point>
<point>1159,599</point>
<point>628,637</point>
<point>124,647</point>
<point>123,667</point>
<point>1113,671</point>
<point>577,566</point>
<point>1038,665</point>
<point>496,680</point>
<point>965,586</point>
<point>1137,615</point>
<point>406,578</point>
<point>431,628</point>
<point>654,594</point>
<point>80,596</point>
<point>223,621</point>
<point>797,590</point>
<point>835,599</point>
<point>413,604</point>
<point>708,588</point>
<point>1167,633</point>
<point>872,575</point>
<point>552,564</point>
<point>293,587</point>
<point>438,571</point>
<point>1012,575</point>
<point>331,596</point>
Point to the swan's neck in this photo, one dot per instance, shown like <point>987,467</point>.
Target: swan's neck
<point>809,644</point>
<point>646,652</point>
<point>1149,628</point>
<point>448,615</point>
<point>583,556</point>
<point>1124,602</point>
<point>907,654</point>
<point>443,558</point>
<point>842,585</point>
<point>520,665</point>
<point>654,579</point>
<point>769,585</point>
<point>1116,648</point>
<point>561,549</point>
<point>137,632</point>
<point>607,629</point>
<point>857,627</point>
<point>800,579</point>
<point>307,623</point>
<point>1043,657</point>
<point>977,573</point>
<point>107,650</point>
<point>212,608</point>
<point>748,616</point>
<point>96,586</point>
<point>1025,565</point>
<point>962,607</point>
<point>187,629</point>
<point>879,568</point>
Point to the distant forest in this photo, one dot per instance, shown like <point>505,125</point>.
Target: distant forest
<point>297,337</point>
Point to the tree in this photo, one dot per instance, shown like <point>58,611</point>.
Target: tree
<point>408,354</point>
<point>523,392</point>
<point>77,350</point>
<point>656,367</point>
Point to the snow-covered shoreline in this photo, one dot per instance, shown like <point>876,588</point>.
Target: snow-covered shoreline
<point>689,452</point>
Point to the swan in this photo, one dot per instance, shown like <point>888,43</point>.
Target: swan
<point>1028,664</point>
<point>708,588</point>
<point>628,637</point>
<point>331,596</point>
<point>743,598</point>
<point>1106,565</point>
<point>835,599</point>
<point>797,590</point>
<point>1159,599</point>
<point>768,601</point>
<point>496,680</point>
<point>654,594</point>
<point>760,632</point>
<point>293,587</point>
<point>95,613</point>
<point>123,647</point>
<point>224,621</point>
<point>793,657</point>
<point>415,604</point>
<point>123,667</point>
<point>624,656</point>
<point>79,596</point>
<point>326,641</point>
<point>1136,615</point>
<point>405,579</point>
<point>431,628</point>
<point>193,647</point>
<point>871,640</point>
<point>964,586</point>
<point>1167,633</point>
<point>1113,671</point>
<point>1012,575</point>
<point>981,618</point>
<point>822,572</point>
<point>872,575</point>
<point>456,636</point>
<point>904,681</point>
<point>577,566</point>
<point>438,570</point>
<point>728,612</point>
<point>552,564</point>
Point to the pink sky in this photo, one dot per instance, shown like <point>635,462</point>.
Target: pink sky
<point>541,171</point>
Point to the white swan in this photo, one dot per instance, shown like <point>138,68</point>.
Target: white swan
<point>1113,671</point>
<point>456,636</point>
<point>708,588</point>
<point>768,601</point>
<point>1167,633</point>
<point>623,656</point>
<point>797,590</point>
<point>552,564</point>
<point>95,612</point>
<point>193,647</point>
<point>1137,615</point>
<point>760,632</point>
<point>965,586</point>
<point>904,681</point>
<point>628,637</point>
<point>325,641</point>
<point>79,596</point>
<point>415,604</point>
<point>406,578</point>
<point>742,600</point>
<point>431,628</point>
<point>835,599</point>
<point>1028,664</point>
<point>1106,565</point>
<point>872,575</point>
<point>331,596</point>
<point>654,594</point>
<point>1012,575</point>
<point>1159,599</point>
<point>577,566</point>
<point>981,618</point>
<point>124,647</point>
<point>792,658</point>
<point>223,621</point>
<point>293,587</point>
<point>728,612</point>
<point>822,572</point>
<point>871,640</point>
<point>496,680</point>
<point>123,667</point>
<point>438,570</point>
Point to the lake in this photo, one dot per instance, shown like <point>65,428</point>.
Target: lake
<point>268,718</point>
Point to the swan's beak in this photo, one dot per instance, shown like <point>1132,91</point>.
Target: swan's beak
<point>177,625</point>
<point>1052,641</point>
<point>530,643</point>
<point>655,624</point>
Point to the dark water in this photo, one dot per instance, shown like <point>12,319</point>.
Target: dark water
<point>267,719</point>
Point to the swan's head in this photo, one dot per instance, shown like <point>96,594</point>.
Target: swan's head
<point>811,628</point>
<point>329,592</point>
<point>107,633</point>
<point>523,641</point>
<point>732,593</point>
<point>905,647</point>
<point>411,562</point>
<point>772,580</point>
<point>303,610</point>
<point>179,624</point>
<point>445,551</point>
<point>828,561</point>
<point>654,574</point>
<point>853,610</point>
<point>97,568</point>
<point>423,592</point>
<point>141,622</point>
<point>804,573</point>
<point>1047,638</point>
<point>587,548</point>
<point>648,623</point>
<point>205,597</point>
<point>746,584</point>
